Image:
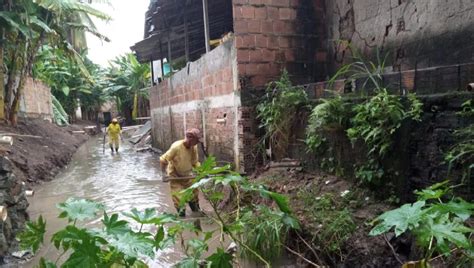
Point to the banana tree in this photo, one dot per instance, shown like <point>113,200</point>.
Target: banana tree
<point>28,25</point>
<point>128,82</point>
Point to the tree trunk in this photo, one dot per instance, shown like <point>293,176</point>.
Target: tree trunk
<point>12,74</point>
<point>28,65</point>
<point>2,76</point>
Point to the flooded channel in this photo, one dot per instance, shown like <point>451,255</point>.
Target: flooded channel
<point>120,181</point>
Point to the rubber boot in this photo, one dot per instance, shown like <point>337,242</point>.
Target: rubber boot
<point>116,150</point>
<point>112,149</point>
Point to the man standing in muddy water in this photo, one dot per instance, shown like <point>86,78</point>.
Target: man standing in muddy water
<point>179,161</point>
<point>115,133</point>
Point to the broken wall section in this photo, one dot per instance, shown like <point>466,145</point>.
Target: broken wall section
<point>417,33</point>
<point>205,95</point>
<point>36,101</point>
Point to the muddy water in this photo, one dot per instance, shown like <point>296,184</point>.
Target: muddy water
<point>120,181</point>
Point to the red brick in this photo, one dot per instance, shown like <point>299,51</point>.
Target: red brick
<point>268,55</point>
<point>240,1</point>
<point>261,41</point>
<point>267,27</point>
<point>272,13</point>
<point>294,3</point>
<point>255,55</point>
<point>237,13</point>
<point>321,56</point>
<point>285,13</point>
<point>243,55</point>
<point>273,42</point>
<point>249,41</point>
<point>239,41</point>
<point>254,26</point>
<point>248,12</point>
<point>240,26</point>
<point>259,80</point>
<point>260,13</point>
<point>279,27</point>
<point>281,3</point>
<point>283,41</point>
<point>289,55</point>
<point>251,69</point>
<point>263,68</point>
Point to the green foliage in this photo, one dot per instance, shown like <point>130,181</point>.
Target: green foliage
<point>241,225</point>
<point>79,209</point>
<point>329,219</point>
<point>462,153</point>
<point>33,234</point>
<point>332,114</point>
<point>438,226</point>
<point>375,122</point>
<point>127,80</point>
<point>277,112</point>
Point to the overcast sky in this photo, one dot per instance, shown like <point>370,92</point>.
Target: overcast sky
<point>125,29</point>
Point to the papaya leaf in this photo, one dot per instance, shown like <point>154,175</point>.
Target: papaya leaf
<point>220,259</point>
<point>114,226</point>
<point>80,209</point>
<point>401,219</point>
<point>43,263</point>
<point>33,234</point>
<point>133,245</point>
<point>145,217</point>
<point>458,207</point>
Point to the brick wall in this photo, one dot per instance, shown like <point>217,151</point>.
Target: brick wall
<point>36,100</point>
<point>205,94</point>
<point>271,35</point>
<point>416,33</point>
<point>274,34</point>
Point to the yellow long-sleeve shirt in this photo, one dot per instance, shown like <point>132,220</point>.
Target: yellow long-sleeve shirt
<point>114,130</point>
<point>181,160</point>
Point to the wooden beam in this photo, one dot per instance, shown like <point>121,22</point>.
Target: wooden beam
<point>206,25</point>
<point>161,62</point>
<point>186,44</point>
<point>169,55</point>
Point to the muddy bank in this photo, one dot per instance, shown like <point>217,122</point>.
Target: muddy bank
<point>335,216</point>
<point>41,157</point>
<point>40,149</point>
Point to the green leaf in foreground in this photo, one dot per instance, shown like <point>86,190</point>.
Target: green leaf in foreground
<point>33,234</point>
<point>401,219</point>
<point>134,245</point>
<point>144,217</point>
<point>79,209</point>
<point>220,259</point>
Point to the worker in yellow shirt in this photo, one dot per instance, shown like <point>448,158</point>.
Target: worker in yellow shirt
<point>179,161</point>
<point>115,133</point>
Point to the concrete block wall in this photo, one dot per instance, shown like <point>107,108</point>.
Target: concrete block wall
<point>204,94</point>
<point>417,33</point>
<point>36,100</point>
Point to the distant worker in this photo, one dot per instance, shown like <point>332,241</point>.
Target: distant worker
<point>179,161</point>
<point>115,133</point>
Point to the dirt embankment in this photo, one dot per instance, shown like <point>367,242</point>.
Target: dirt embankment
<point>335,217</point>
<point>40,149</point>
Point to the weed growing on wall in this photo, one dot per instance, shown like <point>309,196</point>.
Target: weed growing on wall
<point>375,122</point>
<point>462,153</point>
<point>277,112</point>
<point>438,223</point>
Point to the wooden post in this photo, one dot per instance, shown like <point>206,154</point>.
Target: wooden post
<point>161,62</point>
<point>206,25</point>
<point>152,73</point>
<point>169,54</point>
<point>186,40</point>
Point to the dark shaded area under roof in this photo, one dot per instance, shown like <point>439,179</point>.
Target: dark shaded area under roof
<point>173,19</point>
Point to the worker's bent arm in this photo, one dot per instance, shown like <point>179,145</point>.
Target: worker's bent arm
<point>163,164</point>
